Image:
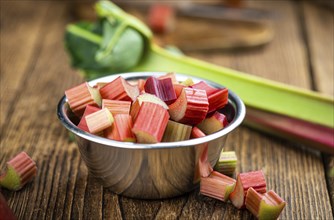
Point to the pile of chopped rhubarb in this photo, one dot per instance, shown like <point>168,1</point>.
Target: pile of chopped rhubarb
<point>152,110</point>
<point>248,191</point>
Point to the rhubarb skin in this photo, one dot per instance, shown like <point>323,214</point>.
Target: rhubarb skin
<point>117,106</point>
<point>217,98</point>
<point>217,186</point>
<point>141,84</point>
<point>170,75</point>
<point>162,88</point>
<point>151,123</point>
<point>20,170</point>
<point>89,110</point>
<point>254,179</point>
<point>176,132</point>
<point>119,89</point>
<point>99,120</point>
<point>82,95</point>
<point>227,163</point>
<point>267,206</point>
<point>178,89</point>
<point>203,166</point>
<point>123,128</point>
<point>190,107</point>
<point>5,212</point>
<point>146,97</point>
<point>214,123</point>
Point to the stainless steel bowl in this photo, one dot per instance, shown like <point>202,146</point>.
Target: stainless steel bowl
<point>149,171</point>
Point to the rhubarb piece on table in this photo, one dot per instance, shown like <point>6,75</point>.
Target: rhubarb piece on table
<point>119,89</point>
<point>89,110</point>
<point>5,212</point>
<point>217,98</point>
<point>20,170</point>
<point>80,96</point>
<point>190,107</point>
<point>213,124</point>
<point>162,88</point>
<point>203,166</point>
<point>117,106</point>
<point>217,186</point>
<point>266,206</point>
<point>99,120</point>
<point>176,132</point>
<point>227,163</point>
<point>121,130</point>
<point>146,97</point>
<point>254,179</point>
<point>151,123</point>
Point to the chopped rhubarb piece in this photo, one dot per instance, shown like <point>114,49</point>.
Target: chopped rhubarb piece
<point>178,89</point>
<point>141,84</point>
<point>151,123</point>
<point>99,120</point>
<point>89,110</point>
<point>204,86</point>
<point>217,186</point>
<point>190,107</point>
<point>170,75</point>
<point>203,166</point>
<point>218,98</point>
<point>213,124</point>
<point>188,82</point>
<point>20,170</point>
<point>227,163</point>
<point>117,106</point>
<point>253,179</point>
<point>80,96</point>
<point>146,97</point>
<point>176,132</point>
<point>162,88</point>
<point>119,89</point>
<point>111,133</point>
<point>5,212</point>
<point>121,129</point>
<point>266,206</point>
<point>99,85</point>
<point>161,18</point>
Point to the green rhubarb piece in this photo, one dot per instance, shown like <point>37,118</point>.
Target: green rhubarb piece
<point>227,163</point>
<point>176,132</point>
<point>20,170</point>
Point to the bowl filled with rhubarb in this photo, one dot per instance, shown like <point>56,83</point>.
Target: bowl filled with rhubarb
<point>150,135</point>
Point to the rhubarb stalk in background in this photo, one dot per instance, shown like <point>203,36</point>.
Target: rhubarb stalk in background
<point>290,103</point>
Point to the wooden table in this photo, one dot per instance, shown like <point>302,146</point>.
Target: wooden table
<point>35,72</point>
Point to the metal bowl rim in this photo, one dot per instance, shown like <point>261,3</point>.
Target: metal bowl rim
<point>233,98</point>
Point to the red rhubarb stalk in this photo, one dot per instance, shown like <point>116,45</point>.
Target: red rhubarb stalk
<point>213,124</point>
<point>99,120</point>
<point>117,106</point>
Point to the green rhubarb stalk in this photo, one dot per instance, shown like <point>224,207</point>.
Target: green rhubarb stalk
<point>256,92</point>
<point>83,42</point>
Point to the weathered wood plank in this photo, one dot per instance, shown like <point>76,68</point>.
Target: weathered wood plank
<point>19,42</point>
<point>319,22</point>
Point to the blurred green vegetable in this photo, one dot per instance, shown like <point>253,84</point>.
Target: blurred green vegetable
<point>110,45</point>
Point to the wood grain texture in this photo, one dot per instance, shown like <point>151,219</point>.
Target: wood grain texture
<point>319,22</point>
<point>34,78</point>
